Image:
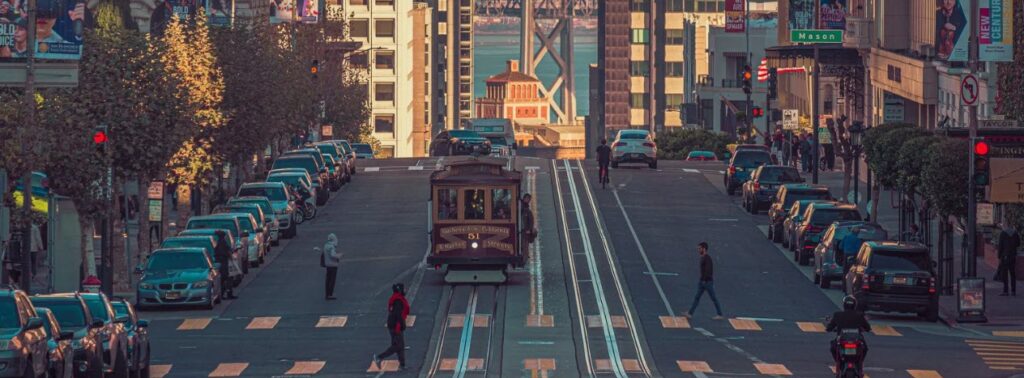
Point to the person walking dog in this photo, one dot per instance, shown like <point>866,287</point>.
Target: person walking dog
<point>707,284</point>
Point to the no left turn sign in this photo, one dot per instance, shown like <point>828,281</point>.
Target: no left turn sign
<point>969,90</point>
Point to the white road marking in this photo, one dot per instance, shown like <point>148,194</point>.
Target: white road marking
<point>691,170</point>
<point>643,254</point>
<point>723,220</point>
<point>416,168</point>
<point>371,169</point>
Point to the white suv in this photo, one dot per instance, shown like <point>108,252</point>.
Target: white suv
<point>634,146</point>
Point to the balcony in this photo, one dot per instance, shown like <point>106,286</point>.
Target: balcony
<point>705,80</point>
<point>858,33</point>
<point>731,83</point>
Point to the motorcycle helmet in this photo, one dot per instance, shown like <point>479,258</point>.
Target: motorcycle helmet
<point>849,303</point>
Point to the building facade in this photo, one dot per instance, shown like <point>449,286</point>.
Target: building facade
<point>515,96</point>
<point>452,64</point>
<point>720,91</point>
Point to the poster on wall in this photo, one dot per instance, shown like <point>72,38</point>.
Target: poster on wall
<point>995,30</point>
<point>952,30</point>
<point>58,33</point>
<point>282,11</point>
<point>832,14</point>
<point>218,12</point>
<point>309,11</point>
<point>801,14</point>
<point>735,16</point>
<point>165,10</point>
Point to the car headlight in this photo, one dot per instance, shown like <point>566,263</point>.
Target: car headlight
<point>146,286</point>
<point>200,284</point>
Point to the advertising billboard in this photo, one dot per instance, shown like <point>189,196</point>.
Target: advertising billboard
<point>307,11</point>
<point>952,29</point>
<point>995,30</point>
<point>801,14</point>
<point>735,16</point>
<point>832,14</point>
<point>59,28</point>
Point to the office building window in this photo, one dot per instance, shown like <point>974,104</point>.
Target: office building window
<point>386,3</point>
<point>359,60</point>
<point>357,2</point>
<point>384,92</point>
<point>385,28</point>
<point>641,36</point>
<point>639,68</point>
<point>640,5</point>
<point>673,102</point>
<point>384,60</point>
<point>674,36</point>
<point>384,124</point>
<point>674,69</point>
<point>638,101</point>
<point>359,28</point>
<point>674,5</point>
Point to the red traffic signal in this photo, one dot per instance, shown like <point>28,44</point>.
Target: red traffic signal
<point>757,112</point>
<point>99,137</point>
<point>981,148</point>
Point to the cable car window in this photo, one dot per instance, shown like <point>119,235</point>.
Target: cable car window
<point>474,203</point>
<point>447,204</point>
<point>501,204</point>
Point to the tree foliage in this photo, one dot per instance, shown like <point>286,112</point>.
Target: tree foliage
<point>677,143</point>
<point>912,157</point>
<point>882,146</point>
<point>944,176</point>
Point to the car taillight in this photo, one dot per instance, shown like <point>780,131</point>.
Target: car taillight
<point>757,186</point>
<point>648,144</point>
<point>867,282</point>
<point>849,345</point>
<point>619,144</point>
<point>931,285</point>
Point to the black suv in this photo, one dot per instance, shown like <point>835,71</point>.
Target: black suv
<point>764,183</point>
<point>894,276</point>
<point>818,217</point>
<point>24,346</point>
<point>73,315</point>
<point>742,165</point>
<point>783,201</point>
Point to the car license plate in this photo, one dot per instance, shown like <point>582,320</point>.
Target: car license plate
<point>850,351</point>
<point>172,295</point>
<point>899,280</point>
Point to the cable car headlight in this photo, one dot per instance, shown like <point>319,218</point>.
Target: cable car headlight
<point>475,245</point>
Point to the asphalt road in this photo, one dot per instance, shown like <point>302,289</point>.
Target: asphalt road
<point>639,241</point>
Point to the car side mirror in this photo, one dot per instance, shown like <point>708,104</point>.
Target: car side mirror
<point>143,323</point>
<point>65,335</point>
<point>122,319</point>
<point>96,324</point>
<point>34,323</point>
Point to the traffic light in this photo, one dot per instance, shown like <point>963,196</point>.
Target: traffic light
<point>757,112</point>
<point>747,75</point>
<point>981,166</point>
<point>314,67</point>
<point>99,139</point>
<point>773,83</point>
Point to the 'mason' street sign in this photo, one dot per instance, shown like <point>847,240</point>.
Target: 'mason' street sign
<point>816,36</point>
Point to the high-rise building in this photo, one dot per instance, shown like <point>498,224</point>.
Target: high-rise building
<point>642,56</point>
<point>393,53</point>
<point>452,64</point>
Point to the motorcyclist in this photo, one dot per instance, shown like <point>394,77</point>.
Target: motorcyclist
<point>604,155</point>
<point>848,319</point>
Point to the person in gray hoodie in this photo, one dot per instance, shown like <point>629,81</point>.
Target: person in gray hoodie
<point>331,258</point>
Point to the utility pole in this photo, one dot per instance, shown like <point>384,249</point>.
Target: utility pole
<point>814,104</point>
<point>746,32</point>
<point>26,131</point>
<point>972,118</point>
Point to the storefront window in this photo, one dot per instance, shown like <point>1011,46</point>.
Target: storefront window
<point>501,204</point>
<point>474,203</point>
<point>447,204</point>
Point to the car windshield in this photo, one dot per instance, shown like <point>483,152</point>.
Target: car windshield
<point>120,308</point>
<point>464,134</point>
<point>186,243</point>
<point>328,149</point>
<point>749,158</point>
<point>346,148</point>
<point>779,175</point>
<point>705,154</point>
<point>292,180</point>
<point>47,326</point>
<point>864,233</point>
<point>67,311</point>
<point>899,260</point>
<point>362,148</point>
<point>227,224</point>
<point>823,217</point>
<point>273,194</point>
<point>247,226</point>
<point>98,309</point>
<point>163,262</point>
<point>633,136</point>
<point>305,163</point>
<point>264,206</point>
<point>793,196</point>
<point>9,314</point>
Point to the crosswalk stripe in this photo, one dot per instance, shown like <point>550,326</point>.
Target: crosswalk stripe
<point>618,321</point>
<point>545,321</point>
<point>194,324</point>
<point>481,320</point>
<point>691,170</point>
<point>332,322</point>
<point>744,325</point>
<point>539,364</point>
<point>385,366</point>
<point>263,322</point>
<point>674,322</point>
<point>159,371</point>
<point>1004,368</point>
<point>1008,333</point>
<point>306,367</point>
<point>233,369</point>
<point>811,327</point>
<point>472,364</point>
<point>410,321</point>
<point>994,342</point>
<point>924,374</point>
<point>694,367</point>
<point>456,320</point>
<point>772,369</point>
<point>883,330</point>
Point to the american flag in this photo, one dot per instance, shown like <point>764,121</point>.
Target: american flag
<point>762,70</point>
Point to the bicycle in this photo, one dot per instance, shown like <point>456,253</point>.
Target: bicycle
<point>602,176</point>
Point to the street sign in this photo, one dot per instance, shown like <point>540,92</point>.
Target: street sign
<point>327,130</point>
<point>986,214</point>
<point>156,210</point>
<point>969,90</point>
<point>156,190</point>
<point>998,123</point>
<point>790,119</point>
<point>48,74</point>
<point>816,36</point>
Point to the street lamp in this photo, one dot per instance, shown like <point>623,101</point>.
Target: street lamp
<point>856,131</point>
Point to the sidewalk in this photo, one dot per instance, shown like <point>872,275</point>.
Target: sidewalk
<point>1004,314</point>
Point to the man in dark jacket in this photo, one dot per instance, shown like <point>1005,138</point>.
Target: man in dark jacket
<point>1009,242</point>
<point>707,272</point>
<point>398,310</point>
<point>526,214</point>
<point>223,256</point>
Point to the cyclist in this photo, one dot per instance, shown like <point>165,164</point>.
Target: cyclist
<point>604,157</point>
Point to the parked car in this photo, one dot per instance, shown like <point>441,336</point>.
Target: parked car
<point>782,203</point>
<point>60,355</point>
<point>842,239</point>
<point>894,276</point>
<point>24,341</point>
<point>336,172</point>
<point>113,334</point>
<point>262,222</point>
<point>816,218</point>
<point>180,276</point>
<point>233,226</point>
<point>252,237</point>
<point>350,155</point>
<point>363,150</point>
<point>312,168</point>
<point>701,156</point>
<point>207,240</point>
<point>752,146</point>
<point>268,213</point>
<point>634,146</point>
<point>297,180</point>
<point>87,343</point>
<point>793,220</point>
<point>458,142</point>
<point>742,165</point>
<point>280,200</point>
<point>138,337</point>
<point>764,183</point>
<point>336,152</point>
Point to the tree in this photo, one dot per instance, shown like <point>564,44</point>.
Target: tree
<point>913,156</point>
<point>944,177</point>
<point>881,149</point>
<point>843,148</point>
<point>677,143</point>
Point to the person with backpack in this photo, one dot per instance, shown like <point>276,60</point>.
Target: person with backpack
<point>330,258</point>
<point>398,311</point>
